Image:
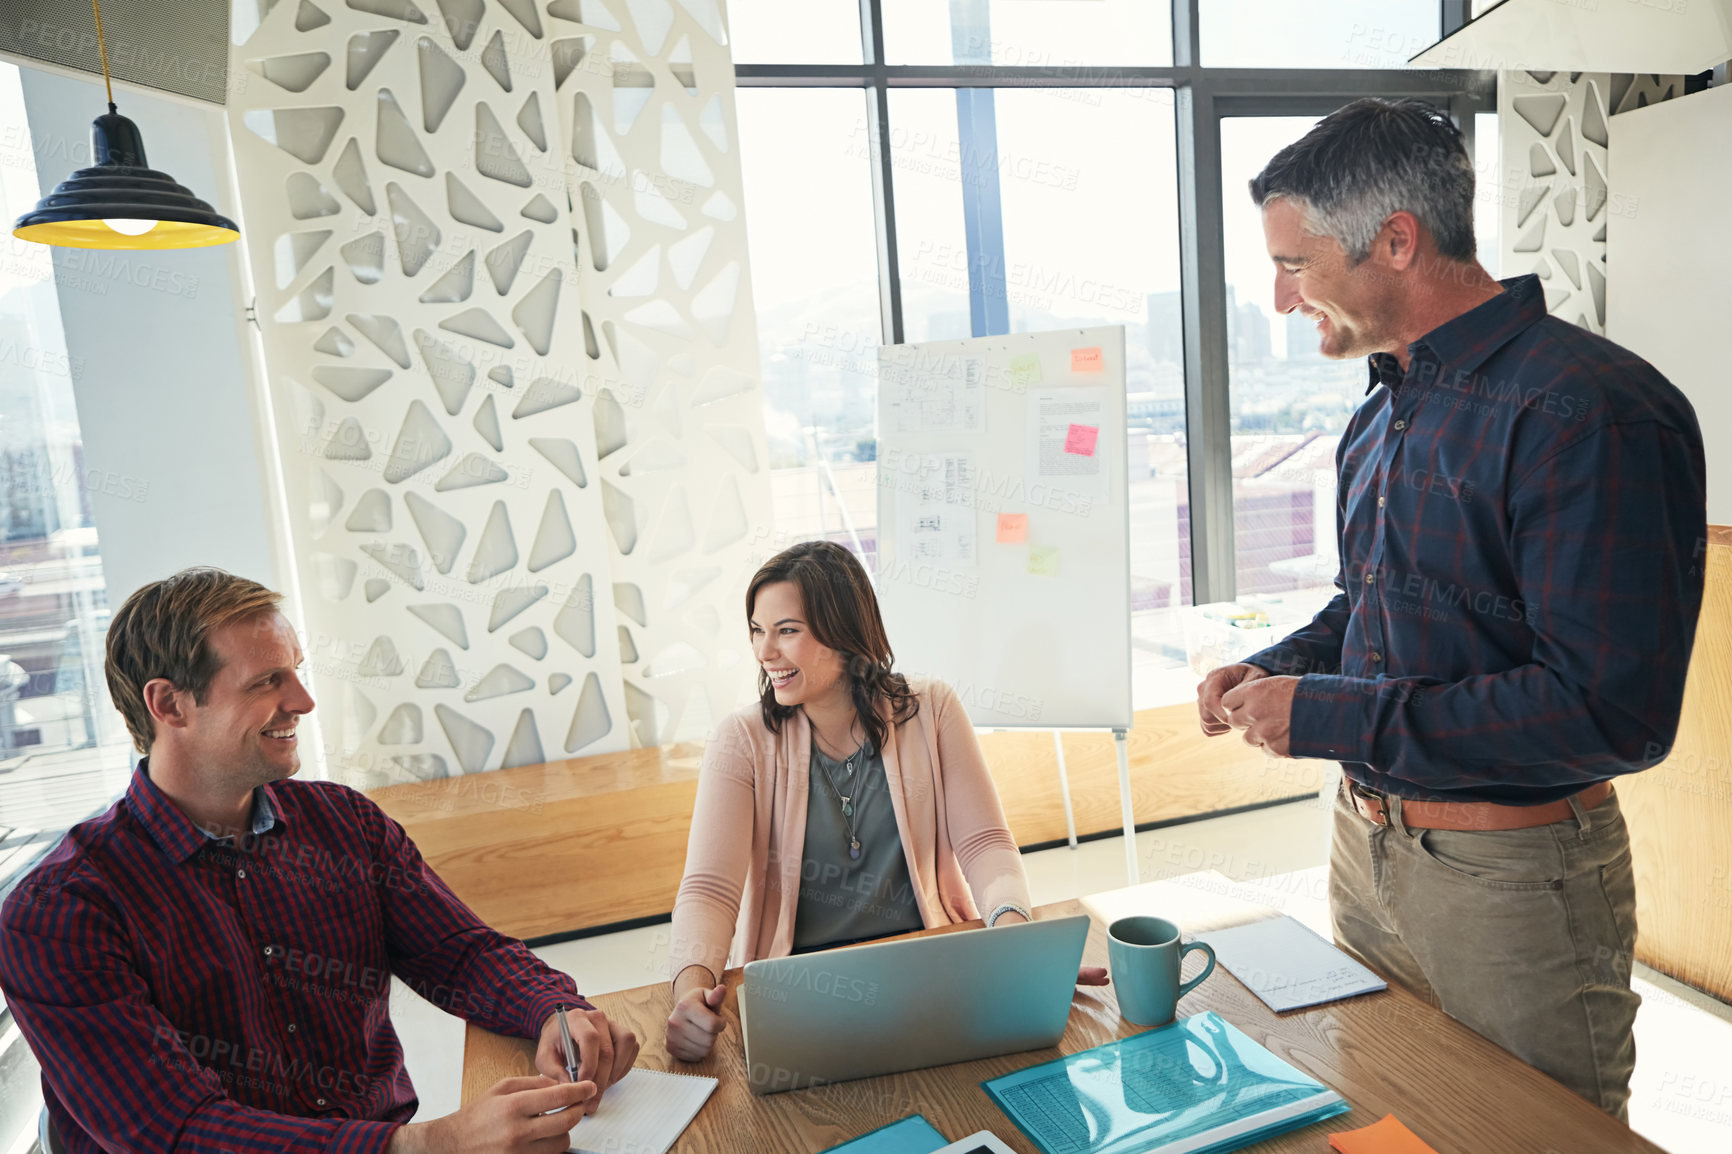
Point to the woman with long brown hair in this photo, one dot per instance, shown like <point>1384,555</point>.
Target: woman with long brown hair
<point>848,803</point>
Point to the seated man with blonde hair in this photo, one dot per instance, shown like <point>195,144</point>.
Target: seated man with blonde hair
<point>206,966</point>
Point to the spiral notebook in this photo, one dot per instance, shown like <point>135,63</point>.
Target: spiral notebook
<point>643,1112</point>
<point>1198,1086</point>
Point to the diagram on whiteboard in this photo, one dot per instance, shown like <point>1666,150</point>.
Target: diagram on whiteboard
<point>941,394</point>
<point>937,523</point>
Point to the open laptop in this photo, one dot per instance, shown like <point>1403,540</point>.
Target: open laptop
<point>885,1007</point>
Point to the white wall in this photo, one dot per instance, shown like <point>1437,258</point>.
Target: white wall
<point>1667,260</point>
<point>166,396</point>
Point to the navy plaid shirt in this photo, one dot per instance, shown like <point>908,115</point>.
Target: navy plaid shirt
<point>1522,531</point>
<point>189,993</point>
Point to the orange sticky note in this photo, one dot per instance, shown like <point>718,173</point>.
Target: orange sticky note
<point>1085,360</point>
<point>1012,528</point>
<point>1388,1136</point>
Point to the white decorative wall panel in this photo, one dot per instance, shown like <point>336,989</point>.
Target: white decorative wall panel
<point>647,127</point>
<point>1560,198</point>
<point>406,215</point>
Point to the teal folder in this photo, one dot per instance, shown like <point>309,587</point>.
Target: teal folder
<point>910,1135</point>
<point>1198,1086</point>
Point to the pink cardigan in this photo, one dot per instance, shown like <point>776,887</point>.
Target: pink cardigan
<point>742,878</point>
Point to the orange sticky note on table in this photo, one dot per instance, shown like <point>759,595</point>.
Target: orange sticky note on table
<point>1080,439</point>
<point>1388,1136</point>
<point>1086,360</point>
<point>1012,528</point>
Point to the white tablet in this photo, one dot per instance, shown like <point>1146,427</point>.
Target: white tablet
<point>982,1143</point>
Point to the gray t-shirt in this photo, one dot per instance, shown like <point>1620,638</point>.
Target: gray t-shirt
<point>845,899</point>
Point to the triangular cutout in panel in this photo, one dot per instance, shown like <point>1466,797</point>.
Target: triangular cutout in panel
<point>487,424</point>
<point>351,384</point>
<point>417,236</point>
<point>371,514</point>
<point>348,442</point>
<point>508,603</point>
<point>471,471</point>
<point>495,156</point>
<point>401,561</point>
<point>497,550</point>
<point>590,721</point>
<point>544,393</point>
<point>462,20</point>
<point>523,11</point>
<point>574,624</point>
<point>524,748</point>
<point>442,532</point>
<point>447,619</point>
<point>454,285</point>
<point>535,313</point>
<point>420,443</point>
<point>504,261</point>
<point>498,682</point>
<point>529,119</point>
<point>313,303</point>
<point>467,207</point>
<point>554,540</point>
<point>303,133</point>
<point>365,51</point>
<point>564,456</point>
<point>334,343</point>
<point>365,256</point>
<point>395,9</point>
<point>438,672</point>
<point>493,60</point>
<point>452,375</point>
<point>469,741</point>
<point>308,198</point>
<point>385,333</point>
<point>441,80</point>
<point>396,144</point>
<point>351,176</point>
<point>479,325</point>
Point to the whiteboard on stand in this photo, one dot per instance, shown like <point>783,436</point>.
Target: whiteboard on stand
<point>1003,524</point>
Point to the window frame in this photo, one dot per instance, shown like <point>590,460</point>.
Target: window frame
<point>1202,97</point>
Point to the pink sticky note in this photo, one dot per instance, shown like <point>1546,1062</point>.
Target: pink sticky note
<point>1012,528</point>
<point>1081,440</point>
<point>1085,360</point>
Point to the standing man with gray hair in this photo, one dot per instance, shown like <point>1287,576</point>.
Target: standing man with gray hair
<point>1520,516</point>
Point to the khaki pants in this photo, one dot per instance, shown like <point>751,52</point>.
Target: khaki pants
<point>1526,936</point>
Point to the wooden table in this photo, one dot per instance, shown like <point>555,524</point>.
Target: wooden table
<point>1386,1053</point>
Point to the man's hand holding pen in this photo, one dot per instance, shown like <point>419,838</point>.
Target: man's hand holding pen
<point>583,1046</point>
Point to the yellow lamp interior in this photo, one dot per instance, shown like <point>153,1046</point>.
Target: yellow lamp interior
<point>96,233</point>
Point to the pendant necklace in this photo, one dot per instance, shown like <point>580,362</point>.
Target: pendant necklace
<point>846,800</point>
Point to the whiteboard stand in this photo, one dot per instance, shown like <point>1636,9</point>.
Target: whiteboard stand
<point>1064,789</point>
<point>1121,738</point>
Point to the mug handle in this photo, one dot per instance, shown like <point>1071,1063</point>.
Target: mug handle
<point>1207,970</point>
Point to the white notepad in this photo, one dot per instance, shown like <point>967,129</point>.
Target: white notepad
<point>643,1112</point>
<point>1288,966</point>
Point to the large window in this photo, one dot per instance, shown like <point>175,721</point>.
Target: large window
<point>1020,165</point>
<point>63,751</point>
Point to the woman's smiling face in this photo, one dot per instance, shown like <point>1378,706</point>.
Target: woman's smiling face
<point>800,668</point>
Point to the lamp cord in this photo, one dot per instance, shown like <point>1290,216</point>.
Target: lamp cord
<point>102,47</point>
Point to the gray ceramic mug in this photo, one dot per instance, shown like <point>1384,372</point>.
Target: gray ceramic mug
<point>1145,954</point>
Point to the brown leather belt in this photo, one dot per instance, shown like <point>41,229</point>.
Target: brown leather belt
<point>1471,815</point>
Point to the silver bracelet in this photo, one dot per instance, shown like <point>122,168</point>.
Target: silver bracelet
<point>1006,908</point>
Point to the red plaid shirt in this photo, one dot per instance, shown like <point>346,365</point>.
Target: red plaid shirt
<point>185,993</point>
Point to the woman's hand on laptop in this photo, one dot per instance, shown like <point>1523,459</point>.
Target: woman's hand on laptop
<point>1092,976</point>
<point>605,1051</point>
<point>696,1020</point>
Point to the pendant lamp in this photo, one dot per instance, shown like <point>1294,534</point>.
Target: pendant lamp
<point>121,202</point>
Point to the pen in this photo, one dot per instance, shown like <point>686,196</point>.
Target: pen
<point>570,1050</point>
<point>565,1039</point>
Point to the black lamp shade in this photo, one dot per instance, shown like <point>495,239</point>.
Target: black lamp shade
<point>121,187</point>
